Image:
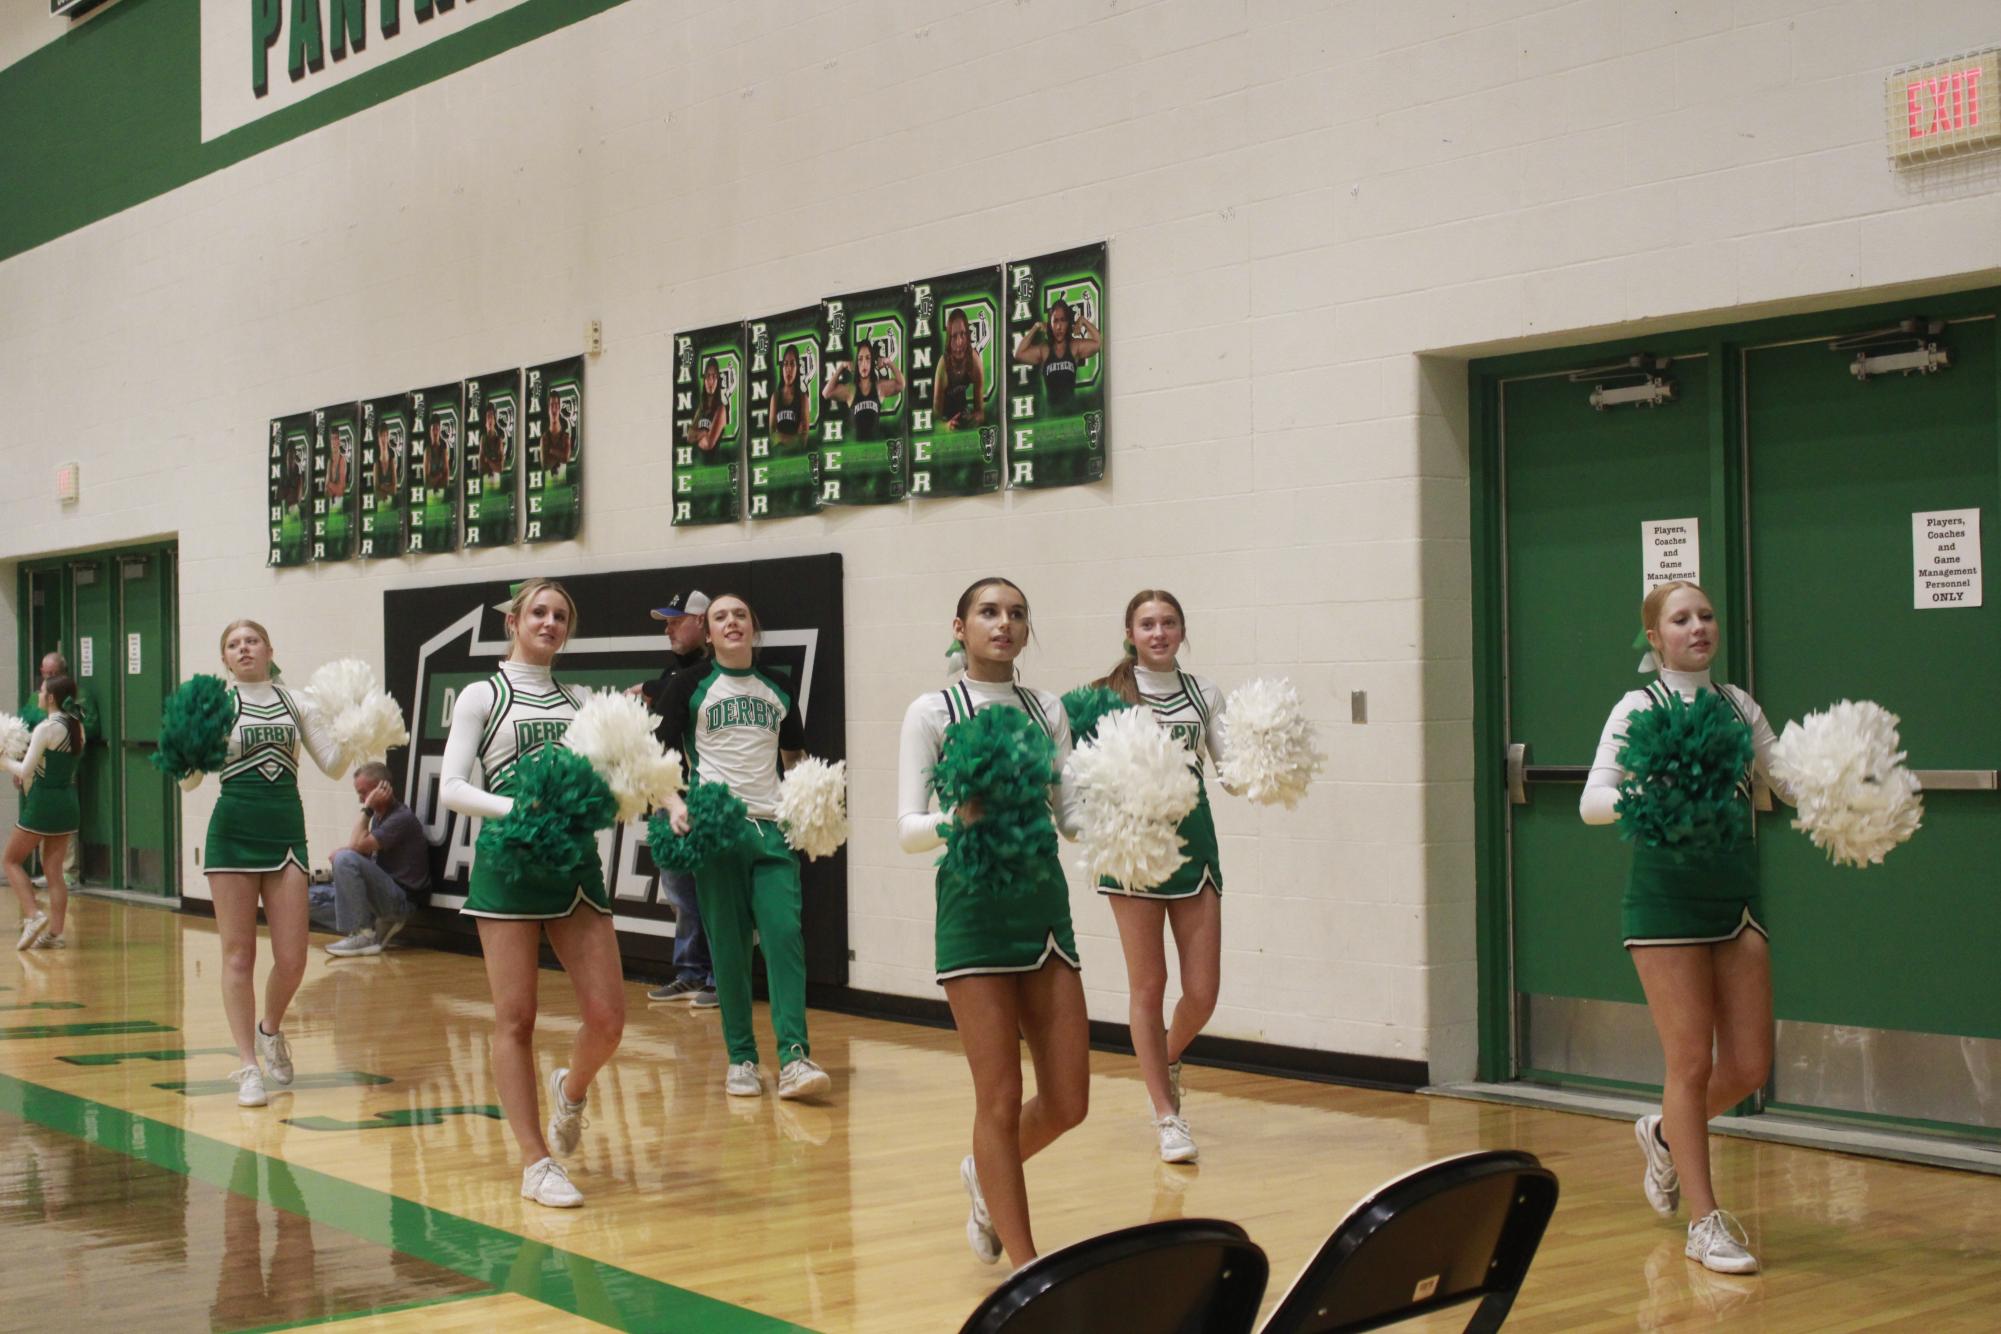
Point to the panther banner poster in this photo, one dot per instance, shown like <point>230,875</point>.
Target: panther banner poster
<point>708,424</point>
<point>437,640</point>
<point>865,340</point>
<point>385,449</point>
<point>437,417</point>
<point>784,412</point>
<point>955,384</point>
<point>1056,368</point>
<point>493,417</point>
<point>336,440</point>
<point>555,450</point>
<point>290,459</point>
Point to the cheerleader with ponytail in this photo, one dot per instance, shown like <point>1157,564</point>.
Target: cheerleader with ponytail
<point>991,751</point>
<point>46,775</point>
<point>1675,767</point>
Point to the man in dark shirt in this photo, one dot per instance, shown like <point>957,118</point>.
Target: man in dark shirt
<point>379,874</point>
<point>687,647</point>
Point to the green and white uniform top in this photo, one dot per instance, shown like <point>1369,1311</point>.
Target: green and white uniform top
<point>519,709</point>
<point>1190,708</point>
<point>731,725</point>
<point>264,742</point>
<point>48,742</point>
<point>1599,804</point>
<point>924,724</point>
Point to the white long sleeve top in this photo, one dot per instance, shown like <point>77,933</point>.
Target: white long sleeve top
<point>924,724</point>
<point>50,734</point>
<point>258,711</point>
<point>1599,804</point>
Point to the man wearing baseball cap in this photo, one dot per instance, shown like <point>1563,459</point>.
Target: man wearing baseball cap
<point>687,646</point>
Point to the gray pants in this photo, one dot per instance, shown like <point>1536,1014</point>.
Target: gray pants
<point>362,894</point>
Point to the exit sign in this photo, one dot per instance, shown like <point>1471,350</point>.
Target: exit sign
<point>1944,109</point>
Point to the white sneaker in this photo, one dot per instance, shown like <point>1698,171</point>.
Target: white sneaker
<point>31,931</point>
<point>1660,1181</point>
<point>980,1232</point>
<point>386,929</point>
<point>743,1081</point>
<point>800,1078</point>
<point>1174,1084</point>
<point>1176,1144</point>
<point>1719,1242</point>
<point>276,1053</point>
<point>51,941</point>
<point>546,1183</point>
<point>362,942</point>
<point>249,1086</point>
<point>566,1118</point>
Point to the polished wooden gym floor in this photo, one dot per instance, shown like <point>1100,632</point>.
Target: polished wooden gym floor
<point>382,1191</point>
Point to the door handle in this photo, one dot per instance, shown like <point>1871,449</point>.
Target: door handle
<point>1521,773</point>
<point>1957,780</point>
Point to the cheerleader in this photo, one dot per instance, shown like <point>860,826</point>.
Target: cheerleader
<point>256,851</point>
<point>1189,902</point>
<point>737,726</point>
<point>49,816</point>
<point>495,723</point>
<point>1006,955</point>
<point>1690,922</point>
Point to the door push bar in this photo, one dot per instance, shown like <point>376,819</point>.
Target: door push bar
<point>1521,773</point>
<point>1957,780</point>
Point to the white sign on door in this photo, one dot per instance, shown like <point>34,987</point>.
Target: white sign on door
<point>132,657</point>
<point>1670,549</point>
<point>86,653</point>
<point>1945,559</point>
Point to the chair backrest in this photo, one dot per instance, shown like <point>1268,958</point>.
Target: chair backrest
<point>1177,1276</point>
<point>1458,1230</point>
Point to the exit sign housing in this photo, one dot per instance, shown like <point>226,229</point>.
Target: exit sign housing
<point>1944,109</point>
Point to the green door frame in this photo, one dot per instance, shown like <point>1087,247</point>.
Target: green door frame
<point>1724,344</point>
<point>30,665</point>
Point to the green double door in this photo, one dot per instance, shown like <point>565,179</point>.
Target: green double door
<point>112,615</point>
<point>1800,483</point>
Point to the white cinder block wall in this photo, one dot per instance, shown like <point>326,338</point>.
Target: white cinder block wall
<point>1302,199</point>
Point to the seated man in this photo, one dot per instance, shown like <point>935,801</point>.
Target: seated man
<point>379,874</point>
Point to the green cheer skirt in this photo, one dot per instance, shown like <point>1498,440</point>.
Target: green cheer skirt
<point>1204,867</point>
<point>1692,898</point>
<point>1008,928</point>
<point>257,826</point>
<point>516,889</point>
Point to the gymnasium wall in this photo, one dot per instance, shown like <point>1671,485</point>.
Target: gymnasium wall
<point>1315,212</point>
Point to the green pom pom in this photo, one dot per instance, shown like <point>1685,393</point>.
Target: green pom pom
<point>560,803</point>
<point>1086,706</point>
<point>33,715</point>
<point>194,728</point>
<point>718,826</point>
<point>1002,760</point>
<point>1685,760</point>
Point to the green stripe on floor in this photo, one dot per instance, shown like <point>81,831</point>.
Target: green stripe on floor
<point>577,1284</point>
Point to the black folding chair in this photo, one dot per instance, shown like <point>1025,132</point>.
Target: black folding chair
<point>1458,1230</point>
<point>1177,1276</point>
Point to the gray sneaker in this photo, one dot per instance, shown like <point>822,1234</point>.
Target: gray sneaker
<point>1660,1182</point>
<point>386,929</point>
<point>1719,1242</point>
<point>360,943</point>
<point>705,999</point>
<point>680,989</point>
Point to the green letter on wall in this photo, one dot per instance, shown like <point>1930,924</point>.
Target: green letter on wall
<point>264,19</point>
<point>306,47</point>
<point>348,20</point>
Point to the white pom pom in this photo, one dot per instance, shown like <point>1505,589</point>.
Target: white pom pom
<point>357,716</point>
<point>14,735</point>
<point>1846,775</point>
<point>614,731</point>
<point>813,806</point>
<point>1268,752</point>
<point>1134,788</point>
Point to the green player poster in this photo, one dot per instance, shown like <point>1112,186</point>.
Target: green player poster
<point>385,444</point>
<point>555,450</point>
<point>784,370</point>
<point>493,413</point>
<point>437,416</point>
<point>290,463</point>
<point>336,440</point>
<point>955,384</point>
<point>708,424</point>
<point>864,339</point>
<point>1056,373</point>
